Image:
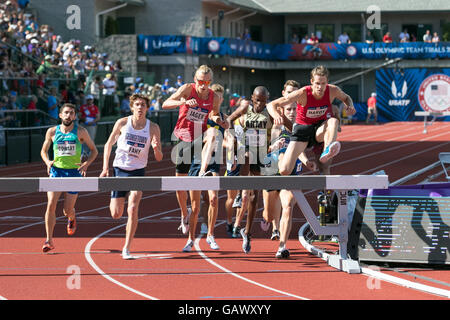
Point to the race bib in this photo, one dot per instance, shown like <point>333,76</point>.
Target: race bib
<point>316,112</point>
<point>66,148</point>
<point>196,115</point>
<point>134,148</point>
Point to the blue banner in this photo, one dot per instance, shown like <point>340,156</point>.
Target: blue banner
<point>401,92</point>
<point>161,45</point>
<point>166,45</point>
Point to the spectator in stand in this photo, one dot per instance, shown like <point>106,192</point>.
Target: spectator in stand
<point>208,32</point>
<point>246,35</point>
<point>369,37</point>
<point>96,86</point>
<point>13,103</point>
<point>305,39</point>
<point>179,82</point>
<point>427,37</point>
<point>109,91</point>
<point>52,103</point>
<point>387,38</point>
<point>125,110</point>
<point>313,39</point>
<point>404,36</point>
<point>344,38</point>
<point>294,39</point>
<point>165,87</point>
<point>435,38</point>
<point>89,115</point>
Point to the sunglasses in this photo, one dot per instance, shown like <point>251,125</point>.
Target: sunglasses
<point>204,82</point>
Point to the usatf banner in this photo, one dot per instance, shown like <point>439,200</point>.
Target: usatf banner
<point>401,92</point>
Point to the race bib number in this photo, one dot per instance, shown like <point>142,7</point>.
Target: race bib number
<point>196,115</point>
<point>134,148</point>
<point>316,112</point>
<point>66,148</point>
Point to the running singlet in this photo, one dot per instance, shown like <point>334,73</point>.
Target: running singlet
<point>190,117</point>
<point>132,147</point>
<point>257,127</point>
<point>315,110</point>
<point>66,149</point>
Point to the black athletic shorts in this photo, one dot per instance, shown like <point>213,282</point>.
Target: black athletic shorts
<point>185,152</point>
<point>306,133</point>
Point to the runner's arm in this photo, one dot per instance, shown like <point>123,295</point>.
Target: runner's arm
<point>84,137</point>
<point>178,98</point>
<point>156,141</point>
<point>46,146</point>
<point>336,92</point>
<point>109,144</point>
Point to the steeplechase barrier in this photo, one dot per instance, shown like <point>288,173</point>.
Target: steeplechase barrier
<point>340,183</point>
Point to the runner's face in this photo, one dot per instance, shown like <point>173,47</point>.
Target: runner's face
<point>318,85</point>
<point>259,101</point>
<point>67,116</point>
<point>202,82</point>
<point>139,108</point>
<point>290,111</point>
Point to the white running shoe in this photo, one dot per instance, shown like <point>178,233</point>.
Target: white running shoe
<point>212,243</point>
<point>126,254</point>
<point>184,226</point>
<point>282,253</point>
<point>188,246</point>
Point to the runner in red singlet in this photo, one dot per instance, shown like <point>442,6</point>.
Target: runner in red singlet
<point>197,103</point>
<point>314,123</point>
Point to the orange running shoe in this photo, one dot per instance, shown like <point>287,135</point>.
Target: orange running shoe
<point>71,226</point>
<point>47,247</point>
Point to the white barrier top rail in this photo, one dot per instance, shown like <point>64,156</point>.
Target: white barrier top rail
<point>163,183</point>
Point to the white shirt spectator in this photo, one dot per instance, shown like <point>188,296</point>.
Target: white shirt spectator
<point>344,38</point>
<point>404,36</point>
<point>109,85</point>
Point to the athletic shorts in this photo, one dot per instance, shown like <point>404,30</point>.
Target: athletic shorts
<point>306,133</point>
<point>194,169</point>
<point>233,173</point>
<point>124,173</point>
<point>65,173</point>
<point>185,152</point>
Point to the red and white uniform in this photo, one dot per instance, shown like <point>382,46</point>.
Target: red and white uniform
<point>315,110</point>
<point>89,113</point>
<point>193,117</point>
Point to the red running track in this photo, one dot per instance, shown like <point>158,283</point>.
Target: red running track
<point>162,271</point>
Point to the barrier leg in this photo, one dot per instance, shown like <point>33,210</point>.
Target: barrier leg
<point>339,261</point>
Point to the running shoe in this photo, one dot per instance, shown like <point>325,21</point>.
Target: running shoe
<point>264,225</point>
<point>245,241</point>
<point>71,226</point>
<point>208,173</point>
<point>47,247</point>
<point>184,226</point>
<point>331,151</point>
<point>212,243</point>
<point>188,246</point>
<point>275,235</point>
<point>236,232</point>
<point>282,253</point>
<point>237,203</point>
<point>126,254</point>
<point>230,229</point>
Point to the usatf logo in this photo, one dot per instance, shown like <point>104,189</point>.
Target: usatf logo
<point>434,93</point>
<point>399,94</point>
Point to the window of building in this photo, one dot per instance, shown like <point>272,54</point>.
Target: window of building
<point>126,25</point>
<point>325,32</point>
<point>301,30</point>
<point>256,33</point>
<point>353,31</point>
<point>379,33</point>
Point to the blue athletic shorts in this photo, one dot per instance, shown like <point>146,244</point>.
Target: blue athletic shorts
<point>124,173</point>
<point>65,173</point>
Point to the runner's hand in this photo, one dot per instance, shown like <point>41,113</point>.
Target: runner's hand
<point>104,173</point>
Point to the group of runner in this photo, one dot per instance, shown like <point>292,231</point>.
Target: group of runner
<point>259,138</point>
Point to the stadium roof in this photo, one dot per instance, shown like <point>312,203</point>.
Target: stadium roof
<point>339,6</point>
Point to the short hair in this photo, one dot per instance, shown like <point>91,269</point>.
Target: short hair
<point>136,96</point>
<point>217,88</point>
<point>204,69</point>
<point>291,83</point>
<point>320,71</point>
<point>68,105</point>
<point>261,90</point>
